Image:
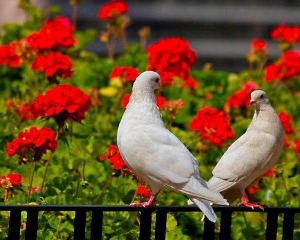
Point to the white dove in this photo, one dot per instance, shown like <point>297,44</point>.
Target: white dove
<point>155,154</point>
<point>251,155</point>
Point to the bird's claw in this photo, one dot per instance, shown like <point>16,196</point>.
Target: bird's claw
<point>251,205</point>
<point>143,204</point>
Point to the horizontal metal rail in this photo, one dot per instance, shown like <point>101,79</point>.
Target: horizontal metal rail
<point>145,220</point>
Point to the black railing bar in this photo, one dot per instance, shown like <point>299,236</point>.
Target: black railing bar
<point>272,226</point>
<point>137,209</point>
<point>79,225</point>
<point>14,225</point>
<point>145,225</point>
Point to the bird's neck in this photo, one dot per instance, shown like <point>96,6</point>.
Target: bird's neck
<point>142,107</point>
<point>265,112</point>
<point>263,108</point>
<point>142,96</point>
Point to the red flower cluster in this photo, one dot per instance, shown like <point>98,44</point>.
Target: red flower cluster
<point>258,45</point>
<point>270,173</point>
<point>174,104</point>
<point>160,101</point>
<point>143,191</point>
<point>114,157</point>
<point>212,125</point>
<point>10,180</point>
<point>25,110</point>
<point>112,9</point>
<point>9,56</point>
<point>33,143</point>
<point>287,67</point>
<point>297,145</point>
<point>241,98</point>
<point>127,74</point>
<point>253,189</point>
<point>286,121</point>
<point>54,64</point>
<point>172,57</point>
<point>63,102</point>
<point>288,34</point>
<point>56,33</point>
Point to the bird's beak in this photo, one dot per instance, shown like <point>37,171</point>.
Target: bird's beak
<point>252,101</point>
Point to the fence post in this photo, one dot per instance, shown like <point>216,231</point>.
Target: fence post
<point>272,222</point>
<point>14,225</point>
<point>31,224</point>
<point>288,226</point>
<point>161,224</point>
<point>145,225</point>
<point>209,230</point>
<point>97,224</point>
<point>225,228</point>
<point>79,225</point>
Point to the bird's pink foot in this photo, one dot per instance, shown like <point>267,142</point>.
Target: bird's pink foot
<point>245,202</point>
<point>149,203</point>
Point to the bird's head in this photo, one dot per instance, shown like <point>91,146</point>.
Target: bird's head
<point>258,98</point>
<point>147,81</point>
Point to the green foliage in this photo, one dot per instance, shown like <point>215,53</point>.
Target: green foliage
<point>75,174</point>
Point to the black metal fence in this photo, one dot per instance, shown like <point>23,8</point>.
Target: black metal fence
<point>145,220</point>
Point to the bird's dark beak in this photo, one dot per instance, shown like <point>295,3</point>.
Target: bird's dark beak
<point>252,101</point>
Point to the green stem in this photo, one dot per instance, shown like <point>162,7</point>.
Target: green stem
<point>45,172</point>
<point>108,181</point>
<point>31,181</point>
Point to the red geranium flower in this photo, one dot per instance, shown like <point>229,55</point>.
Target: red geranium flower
<point>54,64</point>
<point>114,157</point>
<point>32,143</point>
<point>286,121</point>
<point>9,55</point>
<point>24,109</point>
<point>174,104</point>
<point>241,98</point>
<point>253,189</point>
<point>15,179</point>
<point>64,102</point>
<point>160,101</point>
<point>127,74</point>
<point>56,33</point>
<point>297,145</point>
<point>288,34</point>
<point>212,125</point>
<point>270,173</point>
<point>143,191</point>
<point>287,67</point>
<point>258,45</point>
<point>5,182</point>
<point>172,57</point>
<point>286,143</point>
<point>112,9</point>
<point>190,82</point>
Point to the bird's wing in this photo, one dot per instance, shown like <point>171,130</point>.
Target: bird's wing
<point>161,157</point>
<point>157,152</point>
<point>248,154</point>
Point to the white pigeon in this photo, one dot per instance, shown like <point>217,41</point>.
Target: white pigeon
<point>156,154</point>
<point>251,155</point>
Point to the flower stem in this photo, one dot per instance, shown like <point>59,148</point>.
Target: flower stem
<point>104,188</point>
<point>45,172</point>
<point>31,181</point>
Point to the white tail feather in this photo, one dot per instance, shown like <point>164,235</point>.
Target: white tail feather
<point>206,208</point>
